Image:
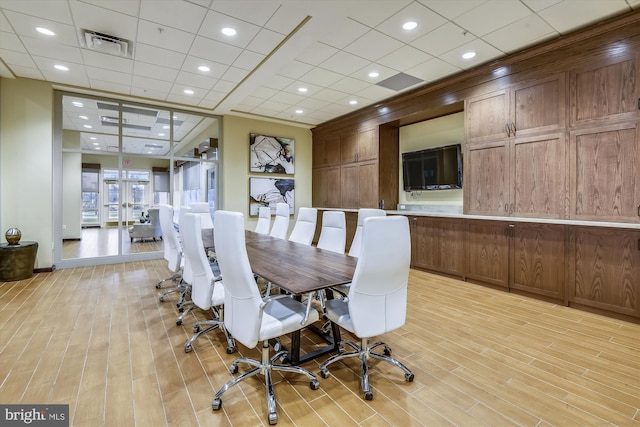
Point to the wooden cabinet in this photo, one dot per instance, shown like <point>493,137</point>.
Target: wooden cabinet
<point>486,177</point>
<point>487,253</point>
<point>605,173</point>
<point>437,244</point>
<point>487,116</point>
<point>326,150</point>
<point>605,91</point>
<point>359,146</point>
<point>326,186</point>
<point>537,264</point>
<point>605,269</point>
<point>359,185</point>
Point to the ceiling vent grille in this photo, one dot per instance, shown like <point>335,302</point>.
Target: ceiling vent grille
<point>105,43</point>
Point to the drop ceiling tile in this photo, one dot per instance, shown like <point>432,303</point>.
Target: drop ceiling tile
<point>426,19</point>
<point>492,15</point>
<point>373,45</point>
<point>376,93</point>
<point>257,13</point>
<point>265,41</point>
<point>214,50</point>
<point>312,103</point>
<point>216,70</point>
<point>110,62</point>
<point>46,9</point>
<point>224,85</point>
<point>155,55</point>
<point>251,102</point>
<point>51,50</point>
<point>154,71</point>
<point>484,53</point>
<point>538,5</point>
<point>214,23</point>
<point>25,25</point>
<point>151,84</point>
<point>183,99</point>
<point>349,84</point>
<point>108,76</point>
<point>248,60</point>
<point>371,16</point>
<point>383,73</point>
<point>295,69</point>
<point>522,33</point>
<point>17,59</point>
<point>287,17</point>
<point>152,34</point>
<point>148,93</point>
<point>433,70</point>
<point>311,88</point>
<point>184,16</point>
<point>75,76</point>
<point>337,109</point>
<point>405,57</point>
<point>344,32</point>
<point>130,7</point>
<point>235,74</point>
<point>105,21</point>
<point>452,9</point>
<point>195,80</point>
<point>344,63</point>
<point>278,82</point>
<point>287,98</point>
<point>329,95</point>
<point>11,41</point>
<point>317,53</point>
<point>570,14</point>
<point>321,77</point>
<point>443,39</point>
<point>264,93</point>
<point>110,86</point>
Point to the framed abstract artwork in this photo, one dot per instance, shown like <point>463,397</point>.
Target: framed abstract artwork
<point>269,192</point>
<point>271,154</point>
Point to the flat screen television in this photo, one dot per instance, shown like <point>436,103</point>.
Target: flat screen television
<point>437,168</point>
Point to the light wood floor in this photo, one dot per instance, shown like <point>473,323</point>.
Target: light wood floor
<point>98,339</point>
<point>100,242</point>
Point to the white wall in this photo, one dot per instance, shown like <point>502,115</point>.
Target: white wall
<point>446,130</point>
<point>26,134</point>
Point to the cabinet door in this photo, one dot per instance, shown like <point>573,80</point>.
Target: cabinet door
<point>605,92</point>
<point>486,116</point>
<point>367,145</point>
<point>487,249</point>
<point>538,175</point>
<point>605,269</point>
<point>326,150</point>
<point>326,187</point>
<point>423,251</point>
<point>368,184</point>
<point>605,173</point>
<point>538,106</point>
<point>349,147</point>
<point>538,259</point>
<point>486,176</point>
<point>350,181</point>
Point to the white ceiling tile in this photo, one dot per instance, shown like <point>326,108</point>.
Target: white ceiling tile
<point>110,86</point>
<point>14,58</point>
<point>151,84</point>
<point>337,109</point>
<point>153,34</point>
<point>279,82</point>
<point>329,95</point>
<point>433,69</point>
<point>110,62</point>
<point>224,85</point>
<point>382,70</point>
<point>344,32</point>
<point>265,41</point>
<point>492,15</point>
<point>373,45</point>
<point>295,70</point>
<point>375,92</point>
<point>452,9</point>
<point>47,9</point>
<point>258,12</point>
<point>317,53</point>
<point>248,60</point>
<point>130,7</point>
<point>154,71</point>
<point>183,99</point>
<point>195,80</point>
<point>235,74</point>
<point>181,15</point>
<point>214,50</point>
<point>11,41</point>
<point>108,76</point>
<point>443,39</point>
<point>426,19</point>
<point>321,77</point>
<point>251,102</point>
<point>51,50</point>
<point>371,15</point>
<point>104,21</point>
<point>287,98</point>
<point>155,55</point>
<point>405,57</point>
<point>484,53</point>
<point>311,88</point>
<point>264,93</point>
<point>344,63</point>
<point>27,72</point>
<point>214,23</point>
<point>312,103</point>
<point>538,5</point>
<point>75,76</point>
<point>25,25</point>
<point>287,17</point>
<point>524,32</point>
<point>570,14</point>
<point>349,85</point>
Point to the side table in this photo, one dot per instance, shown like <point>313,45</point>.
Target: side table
<point>17,261</point>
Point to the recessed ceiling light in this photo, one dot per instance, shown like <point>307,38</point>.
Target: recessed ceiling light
<point>353,102</point>
<point>374,74</point>
<point>228,31</point>
<point>302,89</point>
<point>45,31</point>
<point>299,111</point>
<point>188,91</point>
<point>468,55</point>
<point>96,143</point>
<point>165,127</point>
<point>88,126</point>
<point>93,138</point>
<point>409,25</point>
<point>77,104</point>
<point>97,148</point>
<point>83,117</point>
<point>61,67</point>
<point>161,134</point>
<point>204,68</point>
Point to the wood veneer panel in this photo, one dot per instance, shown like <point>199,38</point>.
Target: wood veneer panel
<point>486,177</point>
<point>487,249</point>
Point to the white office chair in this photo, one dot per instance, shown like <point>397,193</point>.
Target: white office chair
<point>207,290</point>
<point>206,220</point>
<point>250,318</point>
<point>172,250</point>
<point>333,234</point>
<point>264,220</point>
<point>377,300</point>
<point>187,274</point>
<point>281,223</point>
<point>305,226</point>
<point>363,213</point>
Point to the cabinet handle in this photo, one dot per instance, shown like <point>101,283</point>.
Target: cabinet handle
<point>506,208</point>
<point>507,129</point>
<point>511,209</point>
<point>513,128</point>
<point>638,210</point>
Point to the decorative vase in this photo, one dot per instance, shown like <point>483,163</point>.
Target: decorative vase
<point>13,235</point>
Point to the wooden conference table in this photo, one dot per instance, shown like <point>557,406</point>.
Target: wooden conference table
<point>300,269</point>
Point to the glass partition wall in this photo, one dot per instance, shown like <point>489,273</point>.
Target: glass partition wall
<point>117,161</point>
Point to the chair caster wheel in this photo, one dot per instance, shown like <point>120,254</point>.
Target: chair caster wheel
<point>230,350</point>
<point>408,378</point>
<point>314,384</point>
<point>159,285</point>
<point>285,359</point>
<point>188,348</point>
<point>179,322</point>
<point>216,404</point>
<point>233,368</point>
<point>161,299</point>
<point>196,329</point>
<point>273,418</point>
<point>387,351</point>
<point>368,395</point>
<point>324,373</point>
<point>277,347</point>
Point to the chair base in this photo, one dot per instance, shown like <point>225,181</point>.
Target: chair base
<point>213,324</point>
<point>364,352</point>
<point>264,367</point>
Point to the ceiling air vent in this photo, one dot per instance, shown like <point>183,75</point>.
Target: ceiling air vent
<point>105,43</point>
